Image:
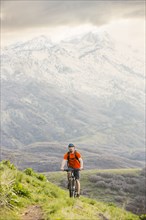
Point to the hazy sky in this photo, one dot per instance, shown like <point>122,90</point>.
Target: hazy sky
<point>21,20</point>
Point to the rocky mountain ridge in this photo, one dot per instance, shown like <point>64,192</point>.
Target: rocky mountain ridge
<point>86,90</point>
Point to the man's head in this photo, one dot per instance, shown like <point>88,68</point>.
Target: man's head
<point>71,147</point>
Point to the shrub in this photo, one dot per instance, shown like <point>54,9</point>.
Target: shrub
<point>35,183</point>
<point>127,187</point>
<point>30,172</point>
<point>130,180</point>
<point>114,186</point>
<point>107,175</point>
<point>19,177</point>
<point>120,177</point>
<point>142,217</point>
<point>98,178</point>
<point>140,186</point>
<point>101,184</point>
<point>137,205</point>
<point>28,180</point>
<point>85,191</point>
<point>93,178</point>
<point>1,167</point>
<point>41,177</point>
<point>54,194</point>
<point>108,180</point>
<point>108,191</point>
<point>119,199</point>
<point>92,202</point>
<point>121,192</point>
<point>9,164</point>
<point>21,190</point>
<point>7,194</point>
<point>128,175</point>
<point>143,172</point>
<point>111,204</point>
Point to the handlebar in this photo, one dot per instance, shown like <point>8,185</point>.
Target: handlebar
<point>71,169</point>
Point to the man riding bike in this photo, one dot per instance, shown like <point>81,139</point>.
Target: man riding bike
<point>73,160</point>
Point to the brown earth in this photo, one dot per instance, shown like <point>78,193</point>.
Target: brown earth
<point>33,213</point>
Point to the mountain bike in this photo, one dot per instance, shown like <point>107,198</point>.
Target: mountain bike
<point>72,182</point>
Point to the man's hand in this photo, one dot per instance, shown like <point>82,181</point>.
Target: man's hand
<point>81,163</point>
<point>63,164</point>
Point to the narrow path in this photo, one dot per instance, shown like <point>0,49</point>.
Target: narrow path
<point>33,213</point>
<point>102,217</point>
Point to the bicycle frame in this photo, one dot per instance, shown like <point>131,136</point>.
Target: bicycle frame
<point>72,182</point>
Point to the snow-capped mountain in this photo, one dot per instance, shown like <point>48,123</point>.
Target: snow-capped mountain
<point>87,89</point>
<point>38,43</point>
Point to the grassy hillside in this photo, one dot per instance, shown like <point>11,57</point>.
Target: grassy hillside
<point>122,187</point>
<point>19,190</point>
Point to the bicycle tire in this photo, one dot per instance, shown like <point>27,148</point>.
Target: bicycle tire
<point>75,188</point>
<point>70,188</point>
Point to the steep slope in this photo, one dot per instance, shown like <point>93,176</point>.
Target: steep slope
<point>28,189</point>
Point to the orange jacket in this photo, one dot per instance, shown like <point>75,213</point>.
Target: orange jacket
<point>73,162</point>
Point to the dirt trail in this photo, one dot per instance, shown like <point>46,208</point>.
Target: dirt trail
<point>33,213</point>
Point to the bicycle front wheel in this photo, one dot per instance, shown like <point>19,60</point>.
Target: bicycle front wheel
<point>72,188</point>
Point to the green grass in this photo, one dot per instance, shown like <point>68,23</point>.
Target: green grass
<point>21,189</point>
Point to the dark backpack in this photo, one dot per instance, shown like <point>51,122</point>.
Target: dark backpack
<point>75,152</point>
